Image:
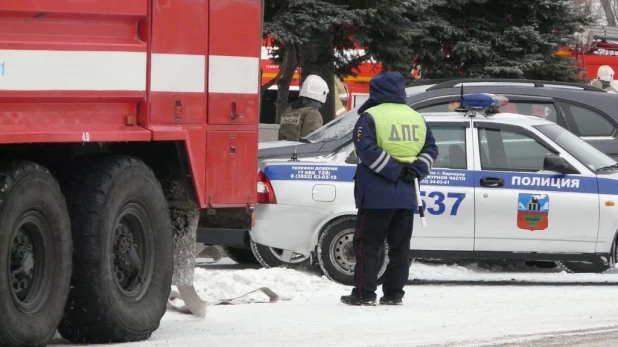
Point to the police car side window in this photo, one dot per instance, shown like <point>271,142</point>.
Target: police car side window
<point>583,121</point>
<point>451,142</point>
<point>504,150</point>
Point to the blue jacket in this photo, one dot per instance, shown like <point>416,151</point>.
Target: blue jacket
<point>381,187</point>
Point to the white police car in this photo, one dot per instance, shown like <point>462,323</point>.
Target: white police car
<point>504,186</point>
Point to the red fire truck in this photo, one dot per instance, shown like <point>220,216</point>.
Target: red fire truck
<point>125,125</point>
<point>594,47</point>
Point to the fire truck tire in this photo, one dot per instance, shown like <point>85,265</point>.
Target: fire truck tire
<point>241,256</point>
<point>336,254</point>
<point>123,251</point>
<point>35,254</point>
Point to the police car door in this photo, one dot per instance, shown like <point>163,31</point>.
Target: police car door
<point>519,209</point>
<point>448,192</point>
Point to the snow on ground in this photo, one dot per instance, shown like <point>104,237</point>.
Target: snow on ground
<point>473,272</point>
<point>310,314</point>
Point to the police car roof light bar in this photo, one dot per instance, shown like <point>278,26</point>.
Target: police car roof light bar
<point>482,101</point>
<point>537,83</point>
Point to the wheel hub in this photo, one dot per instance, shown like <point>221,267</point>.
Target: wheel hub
<point>126,260</point>
<point>342,251</point>
<point>132,252</point>
<point>22,264</point>
<point>29,263</point>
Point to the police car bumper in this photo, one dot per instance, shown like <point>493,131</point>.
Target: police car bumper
<point>287,227</point>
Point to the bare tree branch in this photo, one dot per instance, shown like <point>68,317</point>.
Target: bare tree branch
<point>609,12</point>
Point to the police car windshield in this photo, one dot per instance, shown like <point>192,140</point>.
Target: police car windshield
<point>578,148</point>
<point>334,129</point>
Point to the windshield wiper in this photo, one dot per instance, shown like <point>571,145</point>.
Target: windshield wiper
<point>609,167</point>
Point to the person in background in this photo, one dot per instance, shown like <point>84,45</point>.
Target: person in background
<point>303,116</point>
<point>605,75</point>
<point>341,101</point>
<point>394,146</point>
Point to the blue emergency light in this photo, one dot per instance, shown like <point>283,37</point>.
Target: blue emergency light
<point>483,101</point>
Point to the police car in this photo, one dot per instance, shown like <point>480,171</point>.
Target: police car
<point>504,186</point>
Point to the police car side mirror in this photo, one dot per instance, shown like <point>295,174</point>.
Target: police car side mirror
<point>352,158</point>
<point>556,163</point>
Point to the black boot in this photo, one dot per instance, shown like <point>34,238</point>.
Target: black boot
<point>355,301</point>
<point>390,301</point>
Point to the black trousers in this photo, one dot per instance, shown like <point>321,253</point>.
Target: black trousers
<point>372,227</point>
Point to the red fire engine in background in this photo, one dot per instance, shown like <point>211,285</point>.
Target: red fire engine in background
<point>125,126</point>
<point>593,48</point>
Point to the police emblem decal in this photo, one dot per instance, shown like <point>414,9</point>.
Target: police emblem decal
<point>533,211</point>
<point>359,132</point>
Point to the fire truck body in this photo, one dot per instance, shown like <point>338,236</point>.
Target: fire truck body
<point>594,47</point>
<point>150,106</point>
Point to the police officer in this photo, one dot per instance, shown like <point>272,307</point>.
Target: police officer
<point>394,146</point>
<point>303,116</point>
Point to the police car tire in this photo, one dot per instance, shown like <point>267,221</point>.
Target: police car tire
<point>329,269</point>
<point>267,259</point>
<point>100,191</point>
<point>34,224</point>
<point>241,256</point>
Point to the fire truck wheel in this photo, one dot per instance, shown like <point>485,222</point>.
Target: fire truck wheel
<point>336,253</point>
<point>35,255</point>
<point>241,256</point>
<point>123,251</point>
<point>270,257</point>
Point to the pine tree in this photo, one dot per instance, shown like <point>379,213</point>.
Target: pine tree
<point>497,38</point>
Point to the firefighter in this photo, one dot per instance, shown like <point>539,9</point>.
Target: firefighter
<point>605,74</point>
<point>394,146</point>
<point>341,101</point>
<point>303,116</point>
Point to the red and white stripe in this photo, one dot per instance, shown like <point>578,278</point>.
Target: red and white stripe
<point>49,70</point>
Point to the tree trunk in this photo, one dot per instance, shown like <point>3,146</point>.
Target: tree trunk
<point>609,12</point>
<point>316,58</point>
<point>287,68</point>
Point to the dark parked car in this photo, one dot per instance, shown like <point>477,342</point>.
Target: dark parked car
<point>587,111</point>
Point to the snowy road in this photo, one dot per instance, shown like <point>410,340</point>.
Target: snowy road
<point>481,312</point>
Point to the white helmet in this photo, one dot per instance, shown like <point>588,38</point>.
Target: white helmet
<point>314,88</point>
<point>605,73</point>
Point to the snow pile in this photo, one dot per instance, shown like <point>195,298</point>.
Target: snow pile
<point>216,285</point>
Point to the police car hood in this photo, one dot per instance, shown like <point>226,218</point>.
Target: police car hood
<point>275,144</point>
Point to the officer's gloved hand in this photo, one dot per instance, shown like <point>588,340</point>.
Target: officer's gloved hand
<point>407,174</point>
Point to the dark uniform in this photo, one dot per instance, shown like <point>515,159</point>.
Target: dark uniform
<point>394,146</point>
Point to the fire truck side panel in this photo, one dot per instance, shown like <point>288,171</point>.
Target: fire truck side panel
<point>52,84</point>
<point>233,102</point>
<point>234,62</point>
<point>108,72</point>
<point>228,184</point>
<point>178,62</point>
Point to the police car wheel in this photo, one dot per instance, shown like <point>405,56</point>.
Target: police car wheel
<point>241,256</point>
<point>335,252</point>
<point>270,257</point>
